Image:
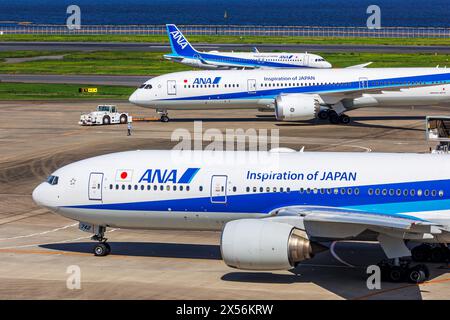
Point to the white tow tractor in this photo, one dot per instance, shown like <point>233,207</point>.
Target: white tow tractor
<point>104,115</point>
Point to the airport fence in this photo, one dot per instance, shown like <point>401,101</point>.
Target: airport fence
<point>234,30</point>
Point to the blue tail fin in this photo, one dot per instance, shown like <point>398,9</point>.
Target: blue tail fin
<point>178,42</point>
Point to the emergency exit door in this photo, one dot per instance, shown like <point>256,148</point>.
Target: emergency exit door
<point>219,189</point>
<point>171,87</point>
<point>95,186</point>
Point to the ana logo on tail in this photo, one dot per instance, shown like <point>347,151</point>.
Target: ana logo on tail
<point>182,42</point>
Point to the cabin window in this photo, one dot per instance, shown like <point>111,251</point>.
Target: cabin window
<point>187,188</point>
<point>200,188</point>
<point>117,187</point>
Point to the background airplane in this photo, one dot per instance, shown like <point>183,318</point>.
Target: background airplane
<point>184,53</point>
<point>295,94</point>
<point>275,208</point>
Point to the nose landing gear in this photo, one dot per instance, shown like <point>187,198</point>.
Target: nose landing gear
<point>164,115</point>
<point>102,248</point>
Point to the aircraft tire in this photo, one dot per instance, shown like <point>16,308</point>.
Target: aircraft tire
<point>323,115</point>
<point>344,119</point>
<point>101,249</point>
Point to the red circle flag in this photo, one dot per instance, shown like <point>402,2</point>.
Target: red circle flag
<point>123,175</point>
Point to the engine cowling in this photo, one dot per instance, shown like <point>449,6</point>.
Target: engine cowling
<point>264,245</point>
<point>295,107</point>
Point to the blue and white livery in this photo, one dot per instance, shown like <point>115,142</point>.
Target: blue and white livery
<point>183,52</point>
<point>295,94</point>
<point>273,207</point>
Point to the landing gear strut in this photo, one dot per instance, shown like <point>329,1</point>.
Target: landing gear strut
<point>427,252</point>
<point>398,271</point>
<point>164,115</point>
<point>333,117</point>
<point>102,248</point>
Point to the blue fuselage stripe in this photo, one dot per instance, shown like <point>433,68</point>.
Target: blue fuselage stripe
<point>394,198</point>
<point>323,88</point>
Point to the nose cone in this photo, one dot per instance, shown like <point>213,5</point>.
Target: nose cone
<point>44,197</point>
<point>327,65</point>
<point>133,97</point>
<point>138,98</point>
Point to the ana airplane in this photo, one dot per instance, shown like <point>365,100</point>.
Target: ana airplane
<point>294,94</point>
<point>275,209</point>
<point>184,53</point>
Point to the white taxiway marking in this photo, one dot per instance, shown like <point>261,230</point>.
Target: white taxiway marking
<point>53,242</point>
<point>39,233</point>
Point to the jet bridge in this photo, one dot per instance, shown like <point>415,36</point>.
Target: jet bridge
<point>438,130</point>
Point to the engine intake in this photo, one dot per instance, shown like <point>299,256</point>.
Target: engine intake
<point>265,245</point>
<point>295,107</point>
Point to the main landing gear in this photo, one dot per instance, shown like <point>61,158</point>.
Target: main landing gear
<point>333,117</point>
<point>432,253</point>
<point>164,117</point>
<point>102,248</point>
<point>396,270</point>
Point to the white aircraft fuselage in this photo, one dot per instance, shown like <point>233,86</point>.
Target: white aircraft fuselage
<point>274,208</point>
<point>295,94</point>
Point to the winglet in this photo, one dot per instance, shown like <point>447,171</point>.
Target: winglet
<point>179,44</point>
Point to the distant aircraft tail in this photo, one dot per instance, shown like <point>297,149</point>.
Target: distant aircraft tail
<point>180,45</point>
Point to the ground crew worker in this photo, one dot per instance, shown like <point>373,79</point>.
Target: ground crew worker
<point>129,128</point>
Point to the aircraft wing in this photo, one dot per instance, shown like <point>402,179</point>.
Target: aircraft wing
<point>330,222</point>
<point>359,66</point>
<point>222,65</point>
<point>335,97</point>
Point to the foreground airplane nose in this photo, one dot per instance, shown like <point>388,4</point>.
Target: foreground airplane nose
<point>328,65</point>
<point>42,196</point>
<point>38,195</point>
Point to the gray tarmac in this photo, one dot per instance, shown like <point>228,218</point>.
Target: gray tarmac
<point>37,247</point>
<point>165,47</point>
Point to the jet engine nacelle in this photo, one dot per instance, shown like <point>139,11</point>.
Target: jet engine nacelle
<point>295,107</point>
<point>264,245</point>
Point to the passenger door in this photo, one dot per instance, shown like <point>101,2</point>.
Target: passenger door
<point>219,189</point>
<point>171,87</point>
<point>363,83</point>
<point>251,85</point>
<point>95,186</point>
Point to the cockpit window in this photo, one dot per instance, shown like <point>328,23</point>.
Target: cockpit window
<point>53,180</point>
<point>142,86</point>
<point>149,86</point>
